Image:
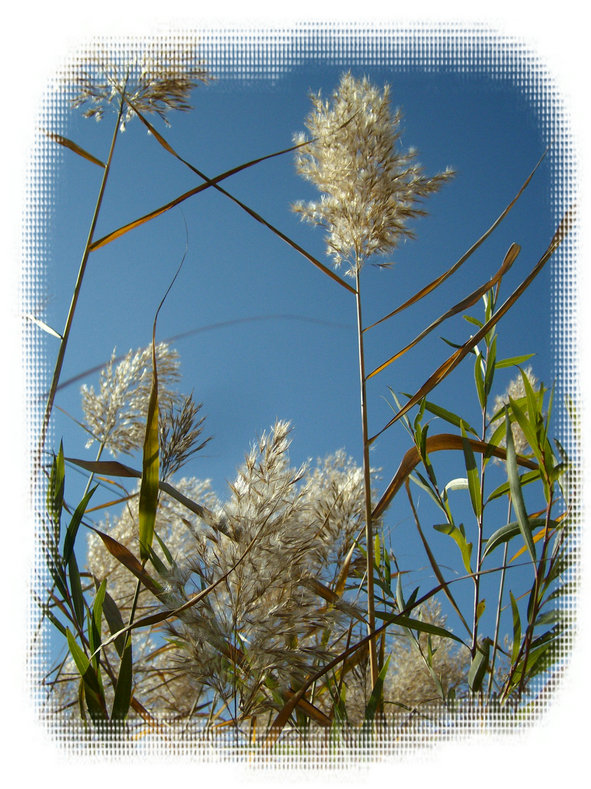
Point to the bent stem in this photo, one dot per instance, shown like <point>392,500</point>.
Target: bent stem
<point>371,619</point>
<point>70,318</point>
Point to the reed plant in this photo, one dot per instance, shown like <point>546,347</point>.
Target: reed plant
<point>282,607</point>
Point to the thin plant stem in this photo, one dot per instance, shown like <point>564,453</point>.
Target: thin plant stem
<point>75,295</point>
<point>480,543</point>
<point>498,619</point>
<point>371,617</point>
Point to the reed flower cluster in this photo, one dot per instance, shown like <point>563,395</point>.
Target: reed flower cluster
<point>158,79</point>
<point>369,188</point>
<point>115,415</point>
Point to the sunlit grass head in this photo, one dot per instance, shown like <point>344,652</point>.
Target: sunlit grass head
<point>370,187</point>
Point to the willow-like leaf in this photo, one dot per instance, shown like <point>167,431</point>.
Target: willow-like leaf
<point>507,532</point>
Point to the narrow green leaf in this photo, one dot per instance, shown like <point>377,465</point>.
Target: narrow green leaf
<point>460,538</point>
<point>97,614</point>
<point>92,688</point>
<point>55,490</point>
<point>123,688</point>
<point>524,479</point>
<point>516,629</point>
<point>473,321</point>
<point>480,609</point>
<point>510,530</point>
<point>72,530</point>
<point>490,366</point>
<point>513,361</point>
<point>76,589</point>
<point>473,477</point>
<point>150,476</point>
<point>479,665</point>
<point>516,494</point>
<point>529,431</point>
<point>417,624</point>
<point>479,379</point>
<point>114,621</point>
<point>376,694</point>
<point>448,416</point>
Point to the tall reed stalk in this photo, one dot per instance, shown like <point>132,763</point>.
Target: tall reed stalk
<point>76,293</point>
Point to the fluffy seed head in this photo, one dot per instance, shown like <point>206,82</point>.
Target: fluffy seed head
<point>155,80</point>
<point>369,189</point>
<point>116,414</point>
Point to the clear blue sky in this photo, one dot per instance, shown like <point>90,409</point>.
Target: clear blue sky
<point>297,358</point>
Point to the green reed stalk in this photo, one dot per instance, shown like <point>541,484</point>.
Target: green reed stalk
<point>371,618</point>
<point>75,295</point>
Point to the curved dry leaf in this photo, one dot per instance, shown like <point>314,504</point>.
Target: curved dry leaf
<point>437,443</point>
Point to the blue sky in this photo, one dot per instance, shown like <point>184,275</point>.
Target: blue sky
<point>273,337</point>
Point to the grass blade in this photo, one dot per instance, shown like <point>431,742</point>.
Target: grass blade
<point>72,530</point>
<point>376,694</point>
<point>148,503</point>
<point>124,555</point>
<point>433,562</point>
<point>123,688</point>
<point>473,477</point>
<point>516,493</point>
<point>439,280</point>
<point>437,443</point>
<point>452,362</point>
<point>508,261</point>
<point>116,469</point>
<point>74,147</point>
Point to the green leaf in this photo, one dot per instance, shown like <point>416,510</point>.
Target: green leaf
<point>490,366</point>
<point>473,478</point>
<point>97,615</point>
<point>516,629</point>
<point>55,490</point>
<point>527,428</point>
<point>480,609</point>
<point>510,530</point>
<point>524,479</point>
<point>417,624</point>
<point>448,416</point>
<point>92,688</point>
<point>123,688</point>
<point>479,665</point>
<point>148,502</point>
<point>114,621</point>
<point>376,694</point>
<point>76,590</point>
<point>479,378</point>
<point>516,494</point>
<point>72,530</point>
<point>473,321</point>
<point>513,361</point>
<point>460,538</point>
